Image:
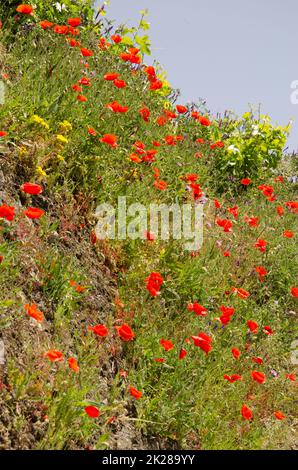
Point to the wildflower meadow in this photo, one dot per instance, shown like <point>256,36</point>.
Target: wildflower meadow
<point>148,249</point>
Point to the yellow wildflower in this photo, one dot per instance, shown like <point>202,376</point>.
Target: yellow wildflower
<point>61,139</point>
<point>65,126</point>
<point>41,173</point>
<point>38,120</point>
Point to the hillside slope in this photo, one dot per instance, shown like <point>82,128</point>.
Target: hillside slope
<point>137,343</point>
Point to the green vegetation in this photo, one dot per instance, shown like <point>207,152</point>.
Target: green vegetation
<point>51,123</point>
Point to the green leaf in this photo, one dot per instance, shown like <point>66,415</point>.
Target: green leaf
<point>144,25</point>
<point>127,41</point>
<point>144,43</point>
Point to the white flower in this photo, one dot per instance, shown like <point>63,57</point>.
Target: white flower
<point>255,129</point>
<point>60,6</point>
<point>233,149</point>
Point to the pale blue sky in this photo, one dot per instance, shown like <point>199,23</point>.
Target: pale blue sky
<point>230,52</point>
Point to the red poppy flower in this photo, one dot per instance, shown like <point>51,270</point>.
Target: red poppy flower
<point>267,330</point>
<point>134,158</point>
<point>77,88</point>
<point>150,71</point>
<point>160,184</point>
<point>74,22</point>
<point>119,83</point>
<point>111,76</point>
<point>161,120</point>
<point>145,113</point>
<point>153,283</point>
<point>86,52</point>
<point>72,42</point>
<point>149,156</point>
<point>197,192</point>
<point>227,313</point>
<point>191,177</point>
<point>293,206</point>
<point>266,190</point>
<point>253,326</point>
<point>127,57</point>
<point>291,377</point>
<point>219,144</point>
<point>33,312</point>
<point>246,413</point>
<point>160,360</point>
<point>3,133</point>
<point>233,211</point>
<point>73,32</point>
<point>116,107</point>
<point>204,121</point>
<point>109,139</point>
<point>82,98</point>
<point>197,308</point>
<point>103,45</point>
<point>217,204</point>
<point>262,272</point>
<point>182,353</point>
<point>245,181</point>
<point>241,293</point>
<point>77,286</point>
<point>279,415</point>
<point>125,332</point>
<point>72,364</point>
<point>131,56</point>
<point>54,356</point>
<point>156,173</point>
<point>24,9</point>
<point>225,224</point>
<point>227,310</point>
<point>258,376</point>
<point>294,290</point>
<point>34,213</point>
<point>261,245</point>
<point>61,29</point>
<point>155,85</point>
<point>31,188</point>
<point>195,115</point>
<point>135,393</point>
<point>99,330</point>
<point>280,211</point>
<point>166,344</point>
<point>236,353</point>
<point>46,24</point>
<point>91,131</point>
<point>150,236</point>
<point>257,360</point>
<point>7,212</point>
<point>116,38</point>
<point>92,411</point>
<point>279,179</point>
<point>181,109</point>
<point>252,221</point>
<point>288,234</point>
<point>232,378</point>
<point>85,81</point>
<point>170,140</point>
<point>203,341</point>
